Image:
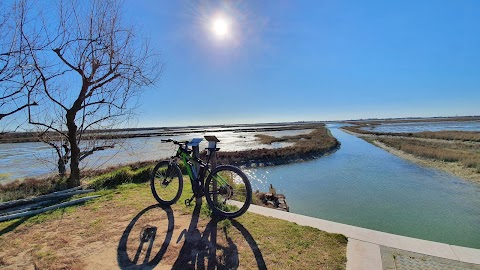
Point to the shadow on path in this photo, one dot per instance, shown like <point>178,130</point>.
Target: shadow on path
<point>137,248</point>
<point>146,237</point>
<point>199,250</point>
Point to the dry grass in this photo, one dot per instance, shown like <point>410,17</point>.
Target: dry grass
<point>20,189</point>
<point>267,139</point>
<point>466,154</point>
<point>473,136</point>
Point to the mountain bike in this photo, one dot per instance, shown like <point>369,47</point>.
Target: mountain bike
<point>219,186</point>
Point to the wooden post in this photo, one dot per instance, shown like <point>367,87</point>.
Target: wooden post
<point>212,151</point>
<point>212,148</point>
<point>195,144</point>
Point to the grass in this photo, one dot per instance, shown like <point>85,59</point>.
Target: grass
<point>465,136</point>
<point>108,178</point>
<point>77,236</point>
<point>20,189</point>
<point>466,154</point>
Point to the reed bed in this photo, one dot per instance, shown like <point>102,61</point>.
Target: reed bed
<point>467,155</point>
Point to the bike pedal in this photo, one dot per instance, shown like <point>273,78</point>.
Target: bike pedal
<point>188,202</point>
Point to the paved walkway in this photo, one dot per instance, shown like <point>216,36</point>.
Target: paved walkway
<point>370,250</point>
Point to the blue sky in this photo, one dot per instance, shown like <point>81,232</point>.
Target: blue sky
<point>310,60</point>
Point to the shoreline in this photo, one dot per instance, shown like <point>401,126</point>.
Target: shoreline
<point>454,168</point>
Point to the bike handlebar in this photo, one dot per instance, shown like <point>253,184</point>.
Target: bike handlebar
<point>175,142</point>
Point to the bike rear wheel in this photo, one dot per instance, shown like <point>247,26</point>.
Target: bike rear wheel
<point>228,191</point>
<point>166,183</point>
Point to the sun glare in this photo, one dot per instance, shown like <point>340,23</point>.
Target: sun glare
<point>220,27</point>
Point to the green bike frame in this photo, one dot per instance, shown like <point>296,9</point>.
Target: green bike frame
<point>186,157</point>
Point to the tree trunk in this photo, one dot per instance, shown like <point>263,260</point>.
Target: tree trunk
<point>74,179</point>
<point>62,170</point>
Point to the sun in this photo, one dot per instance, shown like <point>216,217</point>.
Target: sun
<point>220,27</point>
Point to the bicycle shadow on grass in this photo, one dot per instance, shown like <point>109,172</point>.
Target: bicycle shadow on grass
<point>203,250</point>
<point>139,240</point>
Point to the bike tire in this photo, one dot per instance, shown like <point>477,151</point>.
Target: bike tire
<point>166,183</point>
<point>231,184</point>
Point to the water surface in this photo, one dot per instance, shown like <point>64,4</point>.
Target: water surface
<point>365,186</point>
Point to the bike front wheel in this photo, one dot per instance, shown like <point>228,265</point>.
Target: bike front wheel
<point>166,183</point>
<point>228,191</point>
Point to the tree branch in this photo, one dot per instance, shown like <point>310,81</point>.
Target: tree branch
<point>2,115</point>
<point>94,149</point>
<point>58,52</point>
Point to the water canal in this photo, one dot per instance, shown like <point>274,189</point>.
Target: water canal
<point>365,186</point>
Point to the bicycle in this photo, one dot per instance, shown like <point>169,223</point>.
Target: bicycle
<point>223,184</point>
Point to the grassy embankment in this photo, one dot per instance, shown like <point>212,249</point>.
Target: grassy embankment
<point>444,148</point>
<point>307,146</point>
<point>104,233</point>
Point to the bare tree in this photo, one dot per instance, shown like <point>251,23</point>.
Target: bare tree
<point>13,61</point>
<point>88,78</point>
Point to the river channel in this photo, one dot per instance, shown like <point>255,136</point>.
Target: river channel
<point>365,186</point>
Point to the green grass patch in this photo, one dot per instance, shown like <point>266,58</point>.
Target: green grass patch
<point>123,175</point>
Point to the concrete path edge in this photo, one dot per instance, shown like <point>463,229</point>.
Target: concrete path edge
<point>363,249</point>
